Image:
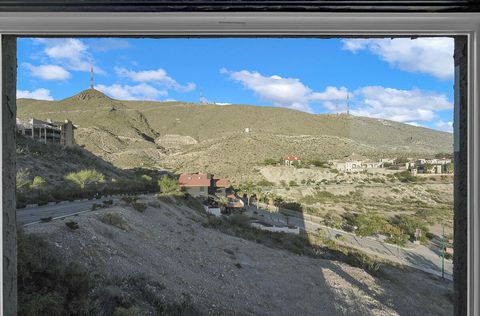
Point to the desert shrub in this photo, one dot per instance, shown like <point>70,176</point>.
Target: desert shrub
<point>46,285</point>
<point>270,162</point>
<point>333,220</point>
<point>22,180</point>
<point>115,220</point>
<point>369,224</point>
<point>293,206</point>
<point>138,206</point>
<point>129,199</point>
<point>293,183</point>
<point>72,225</point>
<point>265,183</point>
<point>318,163</point>
<point>107,203</point>
<point>193,203</point>
<point>85,178</point>
<point>169,186</point>
<point>239,220</point>
<point>406,176</point>
<point>38,183</point>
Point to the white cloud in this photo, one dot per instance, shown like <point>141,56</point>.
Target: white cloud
<point>284,92</point>
<point>38,94</point>
<point>158,76</point>
<point>125,92</point>
<point>444,126</point>
<point>433,56</point>
<point>47,72</point>
<point>71,53</point>
<point>399,105</point>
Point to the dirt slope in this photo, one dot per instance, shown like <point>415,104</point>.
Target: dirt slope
<point>225,275</point>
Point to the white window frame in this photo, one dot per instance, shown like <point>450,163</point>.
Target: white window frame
<point>295,25</point>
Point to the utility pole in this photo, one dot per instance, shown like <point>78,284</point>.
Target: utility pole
<point>443,252</point>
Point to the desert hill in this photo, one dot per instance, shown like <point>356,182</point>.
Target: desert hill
<point>213,138</point>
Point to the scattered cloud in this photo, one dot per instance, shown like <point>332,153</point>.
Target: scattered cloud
<point>47,72</point>
<point>108,44</point>
<point>399,105</point>
<point>71,53</point>
<point>284,92</point>
<point>444,126</point>
<point>432,56</point>
<point>158,76</point>
<point>141,91</point>
<point>38,94</point>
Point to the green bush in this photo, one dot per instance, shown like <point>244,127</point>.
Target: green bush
<point>368,224</point>
<point>140,207</point>
<point>169,186</point>
<point>129,199</point>
<point>406,176</point>
<point>46,285</point>
<point>72,225</point>
<point>270,162</point>
<point>85,178</point>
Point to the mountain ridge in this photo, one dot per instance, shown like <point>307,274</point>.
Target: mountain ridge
<point>239,134</point>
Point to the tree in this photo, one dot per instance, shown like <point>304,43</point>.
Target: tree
<point>222,201</point>
<point>248,188</point>
<point>169,186</point>
<point>85,178</point>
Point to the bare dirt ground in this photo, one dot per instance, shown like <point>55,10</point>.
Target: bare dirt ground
<point>225,275</point>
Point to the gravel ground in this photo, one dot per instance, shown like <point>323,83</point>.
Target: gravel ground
<point>226,275</point>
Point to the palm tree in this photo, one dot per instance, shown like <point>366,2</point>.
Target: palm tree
<point>248,188</point>
<point>258,194</point>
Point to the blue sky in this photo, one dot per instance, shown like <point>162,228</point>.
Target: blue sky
<point>409,81</point>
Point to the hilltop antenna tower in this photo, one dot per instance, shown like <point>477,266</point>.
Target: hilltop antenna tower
<point>91,76</point>
<point>348,104</point>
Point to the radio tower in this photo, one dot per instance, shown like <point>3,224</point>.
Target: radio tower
<point>91,76</point>
<point>348,104</point>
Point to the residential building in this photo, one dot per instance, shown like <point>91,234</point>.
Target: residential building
<point>221,186</point>
<point>291,160</point>
<point>196,184</point>
<point>355,163</point>
<point>202,185</point>
<point>48,132</point>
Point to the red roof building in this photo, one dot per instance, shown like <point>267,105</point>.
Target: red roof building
<point>194,180</point>
<point>290,160</point>
<point>222,183</point>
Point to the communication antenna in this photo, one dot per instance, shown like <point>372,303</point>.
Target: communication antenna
<point>91,76</point>
<point>348,104</point>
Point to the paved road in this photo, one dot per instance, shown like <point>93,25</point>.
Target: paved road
<point>419,256</point>
<point>34,214</point>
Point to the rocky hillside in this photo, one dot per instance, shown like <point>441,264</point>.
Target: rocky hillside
<point>213,138</point>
